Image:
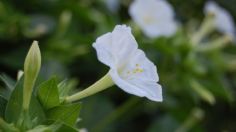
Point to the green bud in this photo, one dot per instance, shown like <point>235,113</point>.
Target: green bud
<point>19,74</point>
<point>31,69</point>
<point>202,91</point>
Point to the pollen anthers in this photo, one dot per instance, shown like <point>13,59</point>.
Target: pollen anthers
<point>148,19</point>
<point>136,70</point>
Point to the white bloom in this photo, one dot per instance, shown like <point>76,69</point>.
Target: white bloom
<point>223,20</point>
<point>130,69</point>
<point>155,17</point>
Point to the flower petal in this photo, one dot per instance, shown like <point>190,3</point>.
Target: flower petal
<point>155,17</point>
<point>165,28</point>
<point>151,90</point>
<point>223,20</point>
<point>103,48</point>
<point>116,47</point>
<point>140,68</point>
<point>124,44</point>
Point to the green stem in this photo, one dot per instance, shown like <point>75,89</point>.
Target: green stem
<point>7,127</point>
<point>203,92</point>
<point>206,27</point>
<point>216,44</point>
<point>102,84</point>
<point>196,115</point>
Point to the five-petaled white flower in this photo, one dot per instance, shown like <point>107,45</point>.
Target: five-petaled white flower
<point>154,17</point>
<point>130,69</point>
<point>223,20</point>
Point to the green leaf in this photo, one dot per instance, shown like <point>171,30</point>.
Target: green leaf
<point>65,113</point>
<point>33,117</point>
<point>48,94</point>
<point>55,127</point>
<point>40,128</point>
<point>14,105</point>
<point>8,81</point>
<point>5,92</point>
<point>3,104</point>
<point>61,127</point>
<point>36,111</point>
<point>9,86</point>
<point>66,86</point>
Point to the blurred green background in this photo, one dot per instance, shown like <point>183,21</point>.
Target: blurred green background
<point>198,87</point>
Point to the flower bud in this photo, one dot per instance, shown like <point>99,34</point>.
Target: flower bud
<point>31,69</point>
<point>19,75</point>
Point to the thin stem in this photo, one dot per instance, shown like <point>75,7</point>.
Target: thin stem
<point>216,44</point>
<point>206,27</point>
<point>203,92</point>
<point>102,84</point>
<point>196,115</point>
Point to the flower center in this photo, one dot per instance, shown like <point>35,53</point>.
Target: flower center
<point>136,70</point>
<point>148,19</point>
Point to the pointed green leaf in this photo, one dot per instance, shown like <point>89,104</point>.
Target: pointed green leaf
<point>40,128</point>
<point>8,81</point>
<point>61,127</point>
<point>48,94</point>
<point>5,92</point>
<point>65,128</point>
<point>66,86</point>
<point>3,104</point>
<point>55,127</point>
<point>36,111</point>
<point>9,86</point>
<point>65,113</point>
<point>14,105</point>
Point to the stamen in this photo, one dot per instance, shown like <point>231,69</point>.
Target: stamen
<point>136,70</point>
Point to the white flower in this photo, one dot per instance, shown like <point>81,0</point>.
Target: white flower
<point>130,69</point>
<point>223,20</point>
<point>154,17</point>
